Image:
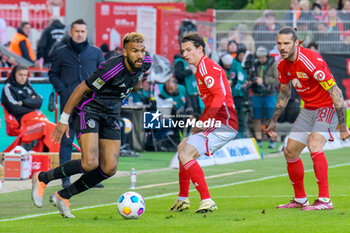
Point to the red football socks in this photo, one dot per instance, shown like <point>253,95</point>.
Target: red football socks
<point>197,176</point>
<point>321,173</point>
<point>184,181</point>
<point>295,169</point>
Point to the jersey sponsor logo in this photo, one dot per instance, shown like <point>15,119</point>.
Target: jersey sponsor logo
<point>91,123</point>
<point>289,74</point>
<point>298,86</point>
<point>98,83</point>
<point>302,75</point>
<point>319,75</point>
<point>209,81</point>
<point>327,84</point>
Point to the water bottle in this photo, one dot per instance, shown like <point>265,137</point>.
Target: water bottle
<point>130,100</point>
<point>133,179</point>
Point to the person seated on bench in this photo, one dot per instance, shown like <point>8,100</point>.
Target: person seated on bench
<point>18,96</point>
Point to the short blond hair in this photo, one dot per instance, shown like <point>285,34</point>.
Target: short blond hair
<point>133,37</point>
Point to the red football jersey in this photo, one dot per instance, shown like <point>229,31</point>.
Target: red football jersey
<point>310,77</point>
<point>215,92</point>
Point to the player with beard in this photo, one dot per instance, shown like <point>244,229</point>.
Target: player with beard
<point>94,106</point>
<point>315,84</point>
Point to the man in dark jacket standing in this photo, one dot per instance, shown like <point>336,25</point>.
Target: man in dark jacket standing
<point>71,64</point>
<point>54,32</point>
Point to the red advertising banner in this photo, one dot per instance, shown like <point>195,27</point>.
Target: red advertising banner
<point>113,20</point>
<point>38,11</point>
<point>170,24</point>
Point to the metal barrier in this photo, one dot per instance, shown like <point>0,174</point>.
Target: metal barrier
<point>262,27</point>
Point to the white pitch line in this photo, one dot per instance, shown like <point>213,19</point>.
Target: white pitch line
<point>161,195</point>
<point>207,177</point>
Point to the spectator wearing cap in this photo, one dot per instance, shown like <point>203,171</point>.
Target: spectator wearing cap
<point>265,30</point>
<point>238,79</point>
<point>264,87</point>
<point>226,62</point>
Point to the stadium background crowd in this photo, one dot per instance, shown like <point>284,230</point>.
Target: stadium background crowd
<point>246,51</point>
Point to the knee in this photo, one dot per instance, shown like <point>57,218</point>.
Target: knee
<point>109,170</point>
<point>184,155</point>
<point>89,164</point>
<point>181,155</point>
<point>290,154</point>
<point>315,143</point>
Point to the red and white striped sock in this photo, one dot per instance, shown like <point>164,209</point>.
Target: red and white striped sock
<point>295,169</point>
<point>184,181</point>
<point>321,173</point>
<point>197,176</point>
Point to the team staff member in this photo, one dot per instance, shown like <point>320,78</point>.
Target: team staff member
<point>96,103</point>
<point>310,76</point>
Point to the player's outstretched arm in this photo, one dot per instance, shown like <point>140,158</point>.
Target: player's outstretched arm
<point>63,126</point>
<point>339,105</point>
<point>282,101</point>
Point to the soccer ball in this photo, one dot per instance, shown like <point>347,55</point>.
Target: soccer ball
<point>131,205</point>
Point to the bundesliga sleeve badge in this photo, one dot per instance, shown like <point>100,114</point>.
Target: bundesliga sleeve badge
<point>98,83</point>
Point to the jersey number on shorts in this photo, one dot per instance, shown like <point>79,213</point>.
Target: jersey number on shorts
<point>325,114</point>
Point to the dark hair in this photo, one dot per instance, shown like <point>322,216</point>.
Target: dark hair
<point>312,44</point>
<point>77,21</point>
<point>21,67</point>
<point>231,42</point>
<point>316,5</point>
<point>289,30</point>
<point>195,38</point>
<point>24,23</point>
<point>12,77</point>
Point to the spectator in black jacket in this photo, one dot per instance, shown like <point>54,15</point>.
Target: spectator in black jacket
<point>51,34</point>
<point>18,95</point>
<point>71,64</point>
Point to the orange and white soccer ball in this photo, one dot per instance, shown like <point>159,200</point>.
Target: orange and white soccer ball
<point>131,205</point>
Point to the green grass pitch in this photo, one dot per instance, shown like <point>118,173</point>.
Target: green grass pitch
<point>246,196</point>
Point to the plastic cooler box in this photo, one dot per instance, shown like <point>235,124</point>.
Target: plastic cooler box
<point>17,165</point>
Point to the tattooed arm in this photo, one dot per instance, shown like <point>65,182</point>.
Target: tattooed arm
<point>338,101</point>
<point>282,100</point>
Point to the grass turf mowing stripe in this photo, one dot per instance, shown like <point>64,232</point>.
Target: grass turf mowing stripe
<point>207,177</point>
<point>163,195</point>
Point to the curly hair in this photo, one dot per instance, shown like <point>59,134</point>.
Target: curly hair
<point>133,37</point>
